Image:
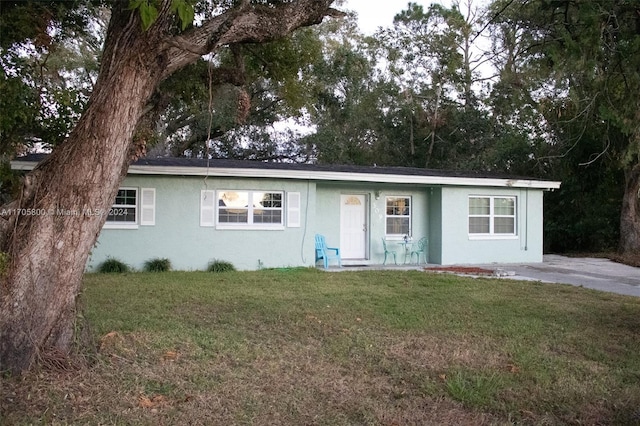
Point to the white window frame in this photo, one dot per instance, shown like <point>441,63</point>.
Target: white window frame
<point>125,225</point>
<point>492,235</point>
<point>387,216</point>
<point>148,194</point>
<point>250,209</point>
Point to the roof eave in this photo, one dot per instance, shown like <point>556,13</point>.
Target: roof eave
<point>324,176</point>
<point>341,176</point>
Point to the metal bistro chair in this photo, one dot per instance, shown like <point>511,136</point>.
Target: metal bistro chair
<point>323,252</point>
<point>387,251</point>
<point>421,249</point>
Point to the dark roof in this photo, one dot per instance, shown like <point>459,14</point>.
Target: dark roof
<point>248,164</point>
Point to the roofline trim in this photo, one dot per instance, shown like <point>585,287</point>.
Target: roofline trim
<point>323,176</point>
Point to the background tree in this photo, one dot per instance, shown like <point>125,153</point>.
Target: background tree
<point>348,100</point>
<point>49,61</point>
<point>145,43</point>
<point>249,88</point>
<point>586,59</point>
<point>434,57</point>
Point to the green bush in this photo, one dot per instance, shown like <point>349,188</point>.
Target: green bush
<point>220,266</point>
<point>111,266</point>
<point>157,265</point>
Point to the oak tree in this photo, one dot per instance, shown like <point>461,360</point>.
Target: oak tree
<point>146,42</point>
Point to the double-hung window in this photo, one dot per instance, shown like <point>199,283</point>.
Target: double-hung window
<point>124,210</point>
<point>132,207</point>
<point>492,216</point>
<point>250,209</point>
<point>398,216</point>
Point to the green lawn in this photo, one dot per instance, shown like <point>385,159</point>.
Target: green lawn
<point>303,346</point>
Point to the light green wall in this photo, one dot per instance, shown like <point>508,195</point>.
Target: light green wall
<point>328,214</point>
<point>439,213</point>
<point>435,225</point>
<point>178,236</point>
<point>458,248</point>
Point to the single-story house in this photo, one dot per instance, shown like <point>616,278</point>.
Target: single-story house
<point>257,214</point>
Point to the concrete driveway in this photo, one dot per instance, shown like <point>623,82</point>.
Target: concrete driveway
<point>597,274</point>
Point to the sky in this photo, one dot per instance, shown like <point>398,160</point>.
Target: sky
<point>376,13</point>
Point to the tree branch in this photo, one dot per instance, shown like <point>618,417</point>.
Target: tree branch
<point>244,23</point>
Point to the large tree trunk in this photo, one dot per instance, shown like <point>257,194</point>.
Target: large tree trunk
<point>48,248</point>
<point>630,213</point>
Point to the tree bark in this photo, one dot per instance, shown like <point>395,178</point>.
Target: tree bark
<point>49,248</point>
<point>630,213</point>
<point>50,241</point>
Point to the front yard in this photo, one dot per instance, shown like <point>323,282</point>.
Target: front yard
<point>301,346</point>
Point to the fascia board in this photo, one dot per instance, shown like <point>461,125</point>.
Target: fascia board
<point>325,176</point>
<point>343,176</point>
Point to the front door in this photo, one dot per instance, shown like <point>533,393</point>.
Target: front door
<point>353,226</point>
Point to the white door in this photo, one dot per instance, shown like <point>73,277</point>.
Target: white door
<point>353,227</point>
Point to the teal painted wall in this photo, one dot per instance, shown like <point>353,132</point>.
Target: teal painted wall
<point>435,225</point>
<point>441,214</point>
<point>328,214</point>
<point>459,248</point>
<point>178,236</point>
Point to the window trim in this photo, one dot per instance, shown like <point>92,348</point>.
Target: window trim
<point>125,225</point>
<point>409,216</point>
<point>250,225</point>
<point>492,235</point>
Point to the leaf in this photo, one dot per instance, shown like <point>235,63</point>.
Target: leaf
<point>513,368</point>
<point>148,14</point>
<point>170,356</point>
<point>134,4</point>
<point>153,402</point>
<point>185,11</point>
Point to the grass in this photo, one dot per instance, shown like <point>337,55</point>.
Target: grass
<point>301,346</point>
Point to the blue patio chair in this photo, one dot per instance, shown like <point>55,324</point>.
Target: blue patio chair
<point>420,249</point>
<point>387,251</point>
<point>325,253</point>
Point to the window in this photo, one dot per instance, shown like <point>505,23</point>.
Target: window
<point>124,211</point>
<point>125,207</point>
<point>495,216</point>
<point>398,216</point>
<point>250,208</point>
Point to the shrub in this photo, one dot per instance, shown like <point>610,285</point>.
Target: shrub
<point>111,266</point>
<point>220,266</point>
<point>157,265</point>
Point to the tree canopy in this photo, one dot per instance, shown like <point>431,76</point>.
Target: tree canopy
<point>145,43</point>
